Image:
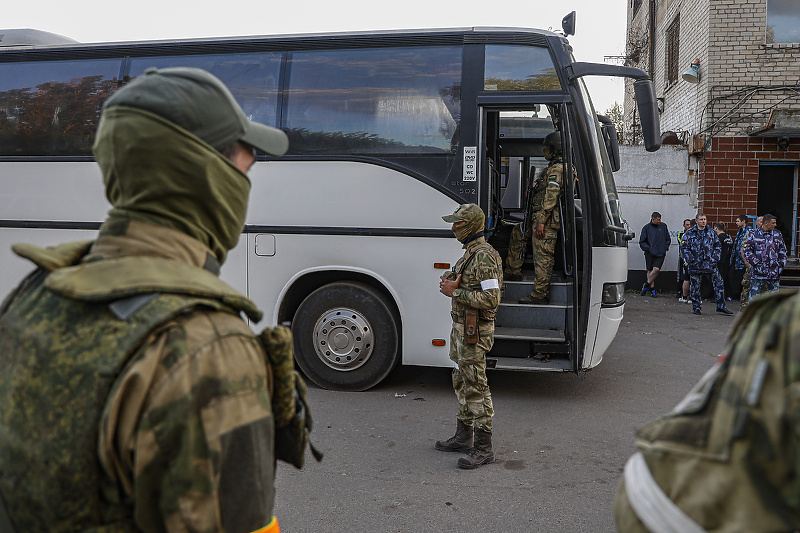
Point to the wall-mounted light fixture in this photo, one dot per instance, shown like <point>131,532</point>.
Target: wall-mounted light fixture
<point>783,143</point>
<point>692,74</point>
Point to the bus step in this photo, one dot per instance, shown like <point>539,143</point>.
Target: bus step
<point>530,335</point>
<point>523,342</point>
<point>542,316</point>
<point>526,364</point>
<point>560,291</point>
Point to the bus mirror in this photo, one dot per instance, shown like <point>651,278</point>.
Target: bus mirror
<point>611,141</point>
<point>648,114</point>
<point>568,24</point>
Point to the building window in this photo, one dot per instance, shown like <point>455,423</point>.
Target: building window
<point>636,5</point>
<point>783,21</point>
<point>673,42</point>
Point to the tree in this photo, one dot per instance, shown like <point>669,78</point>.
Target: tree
<point>617,116</point>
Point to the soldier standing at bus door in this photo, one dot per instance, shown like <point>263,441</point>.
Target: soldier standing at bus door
<point>545,220</point>
<point>474,288</point>
<point>136,397</point>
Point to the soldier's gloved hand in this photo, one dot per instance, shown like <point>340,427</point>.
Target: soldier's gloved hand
<point>447,287</point>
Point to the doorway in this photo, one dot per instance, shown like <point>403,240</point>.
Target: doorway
<point>777,195</point>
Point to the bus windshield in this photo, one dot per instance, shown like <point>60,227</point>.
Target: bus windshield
<point>612,210</point>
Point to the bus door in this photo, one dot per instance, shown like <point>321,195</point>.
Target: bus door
<point>537,336</point>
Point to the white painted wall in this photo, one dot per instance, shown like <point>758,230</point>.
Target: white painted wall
<point>660,181</point>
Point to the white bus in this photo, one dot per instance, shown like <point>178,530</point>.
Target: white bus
<point>344,238</point>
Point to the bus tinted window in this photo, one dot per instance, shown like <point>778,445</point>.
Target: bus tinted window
<point>252,78</point>
<point>52,108</point>
<point>374,101</point>
<point>519,68</point>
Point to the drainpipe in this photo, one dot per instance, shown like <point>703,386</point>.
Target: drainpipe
<point>651,65</point>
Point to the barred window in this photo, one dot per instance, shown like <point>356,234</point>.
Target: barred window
<point>672,45</point>
<point>636,5</point>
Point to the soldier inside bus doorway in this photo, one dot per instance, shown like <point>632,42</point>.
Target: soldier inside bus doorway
<point>544,224</point>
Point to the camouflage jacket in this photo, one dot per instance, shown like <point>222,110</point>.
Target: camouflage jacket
<point>727,455</point>
<point>545,196</point>
<point>766,253</point>
<point>481,272</point>
<point>737,261</point>
<point>151,396</point>
<point>701,249</point>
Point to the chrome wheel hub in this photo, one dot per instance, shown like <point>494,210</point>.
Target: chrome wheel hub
<point>343,339</point>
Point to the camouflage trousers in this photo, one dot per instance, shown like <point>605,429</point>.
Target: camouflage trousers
<point>543,252</point>
<point>469,377</point>
<point>745,297</point>
<point>760,286</point>
<point>696,278</point>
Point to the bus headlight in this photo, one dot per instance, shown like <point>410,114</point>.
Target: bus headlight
<point>613,293</point>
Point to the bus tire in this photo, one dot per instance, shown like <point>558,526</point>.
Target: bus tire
<point>346,336</point>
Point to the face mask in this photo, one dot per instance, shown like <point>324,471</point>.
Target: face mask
<point>465,230</point>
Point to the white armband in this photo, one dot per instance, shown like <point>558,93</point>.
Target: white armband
<point>489,284</point>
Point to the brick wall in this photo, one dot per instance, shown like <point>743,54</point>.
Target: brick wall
<point>729,174</point>
<point>739,71</point>
<point>744,72</point>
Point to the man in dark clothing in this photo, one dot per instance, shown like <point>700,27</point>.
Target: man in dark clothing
<point>654,241</point>
<point>726,245</point>
<point>736,263</point>
<point>683,268</point>
<point>701,250</point>
<point>765,251</point>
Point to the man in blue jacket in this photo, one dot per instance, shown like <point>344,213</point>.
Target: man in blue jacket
<point>701,250</point>
<point>765,251</point>
<point>654,241</point>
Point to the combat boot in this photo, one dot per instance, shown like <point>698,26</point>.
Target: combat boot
<point>460,442</point>
<point>480,454</point>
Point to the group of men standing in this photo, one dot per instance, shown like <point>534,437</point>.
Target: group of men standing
<point>752,261</point>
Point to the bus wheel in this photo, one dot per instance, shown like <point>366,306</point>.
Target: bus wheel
<point>346,336</point>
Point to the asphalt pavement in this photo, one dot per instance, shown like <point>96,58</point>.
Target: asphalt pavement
<point>561,440</point>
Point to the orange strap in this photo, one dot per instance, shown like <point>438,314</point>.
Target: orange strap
<point>272,527</point>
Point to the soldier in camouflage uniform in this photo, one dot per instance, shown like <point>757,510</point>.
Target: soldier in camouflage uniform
<point>726,458</point>
<point>545,222</point>
<point>473,285</point>
<point>134,397</point>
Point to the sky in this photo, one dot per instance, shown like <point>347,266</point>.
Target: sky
<point>600,25</point>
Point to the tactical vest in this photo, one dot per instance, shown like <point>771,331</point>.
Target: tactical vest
<point>729,454</point>
<point>63,343</point>
<point>461,265</point>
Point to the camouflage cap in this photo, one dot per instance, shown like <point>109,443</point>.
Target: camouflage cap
<point>465,212</point>
<point>200,103</point>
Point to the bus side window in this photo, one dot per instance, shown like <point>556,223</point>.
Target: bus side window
<point>373,101</point>
<point>52,108</point>
<point>251,78</point>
